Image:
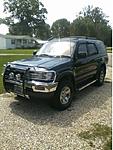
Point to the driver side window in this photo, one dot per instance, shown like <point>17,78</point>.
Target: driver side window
<point>82,51</point>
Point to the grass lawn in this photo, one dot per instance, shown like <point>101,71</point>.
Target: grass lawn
<point>17,51</point>
<point>102,132</point>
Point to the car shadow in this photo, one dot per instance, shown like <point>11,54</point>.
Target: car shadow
<point>39,112</point>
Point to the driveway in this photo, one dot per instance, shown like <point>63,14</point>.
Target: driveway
<point>34,125</point>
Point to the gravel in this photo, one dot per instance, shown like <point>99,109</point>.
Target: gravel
<point>34,125</point>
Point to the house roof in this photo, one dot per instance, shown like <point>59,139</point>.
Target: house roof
<point>16,37</point>
<point>26,37</point>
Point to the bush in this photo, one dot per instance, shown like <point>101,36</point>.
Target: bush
<point>109,49</point>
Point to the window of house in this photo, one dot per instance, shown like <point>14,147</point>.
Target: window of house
<point>24,41</point>
<point>30,41</point>
<point>19,41</point>
<point>92,49</point>
<point>12,41</point>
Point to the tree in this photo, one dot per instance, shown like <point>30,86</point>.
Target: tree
<point>92,22</point>
<point>61,28</point>
<point>82,26</point>
<point>4,21</point>
<point>1,21</point>
<point>43,31</point>
<point>95,14</point>
<point>20,28</point>
<point>28,14</point>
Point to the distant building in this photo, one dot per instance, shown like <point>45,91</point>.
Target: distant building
<point>13,41</point>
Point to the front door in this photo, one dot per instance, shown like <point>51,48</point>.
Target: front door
<point>92,58</point>
<point>82,64</point>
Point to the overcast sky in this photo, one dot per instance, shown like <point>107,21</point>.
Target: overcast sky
<point>58,9</point>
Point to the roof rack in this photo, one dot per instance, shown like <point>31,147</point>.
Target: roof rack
<point>73,37</point>
<point>83,37</point>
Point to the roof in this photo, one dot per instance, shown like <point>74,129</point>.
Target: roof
<point>75,38</point>
<point>26,37</point>
<point>16,36</point>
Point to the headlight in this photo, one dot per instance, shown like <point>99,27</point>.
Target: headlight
<point>42,75</point>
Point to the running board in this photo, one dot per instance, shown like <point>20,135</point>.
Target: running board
<point>83,87</point>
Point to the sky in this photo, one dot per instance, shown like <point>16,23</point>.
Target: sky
<point>68,9</point>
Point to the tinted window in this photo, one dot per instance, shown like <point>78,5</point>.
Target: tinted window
<point>92,49</point>
<point>101,47</point>
<point>82,49</point>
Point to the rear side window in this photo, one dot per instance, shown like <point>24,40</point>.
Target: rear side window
<point>92,50</point>
<point>82,49</point>
<point>101,47</point>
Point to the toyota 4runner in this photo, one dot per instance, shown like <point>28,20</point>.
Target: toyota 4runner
<point>59,68</point>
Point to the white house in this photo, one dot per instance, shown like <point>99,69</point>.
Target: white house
<point>12,42</point>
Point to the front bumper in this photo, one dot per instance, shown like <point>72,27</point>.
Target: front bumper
<point>41,86</point>
<point>28,87</point>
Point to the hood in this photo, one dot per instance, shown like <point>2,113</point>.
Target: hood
<point>42,62</point>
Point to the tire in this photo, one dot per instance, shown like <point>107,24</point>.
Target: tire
<point>19,97</point>
<point>63,95</point>
<point>101,77</point>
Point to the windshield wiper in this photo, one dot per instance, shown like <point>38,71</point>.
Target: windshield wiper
<point>44,55</point>
<point>64,56</point>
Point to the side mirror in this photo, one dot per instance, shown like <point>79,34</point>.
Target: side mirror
<point>34,52</point>
<point>81,55</point>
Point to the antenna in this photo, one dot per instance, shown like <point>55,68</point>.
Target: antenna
<point>59,32</point>
<point>70,45</point>
<point>70,40</point>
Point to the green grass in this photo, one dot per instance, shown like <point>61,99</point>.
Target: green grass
<point>17,51</point>
<point>102,132</point>
<point>4,60</point>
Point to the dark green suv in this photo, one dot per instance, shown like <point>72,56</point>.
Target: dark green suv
<point>59,68</point>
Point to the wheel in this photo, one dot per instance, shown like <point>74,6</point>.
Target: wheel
<point>101,76</point>
<point>19,97</point>
<point>63,95</point>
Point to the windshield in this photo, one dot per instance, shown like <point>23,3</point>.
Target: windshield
<point>62,48</point>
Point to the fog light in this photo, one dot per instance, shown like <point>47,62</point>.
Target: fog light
<point>18,77</point>
<point>11,75</point>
